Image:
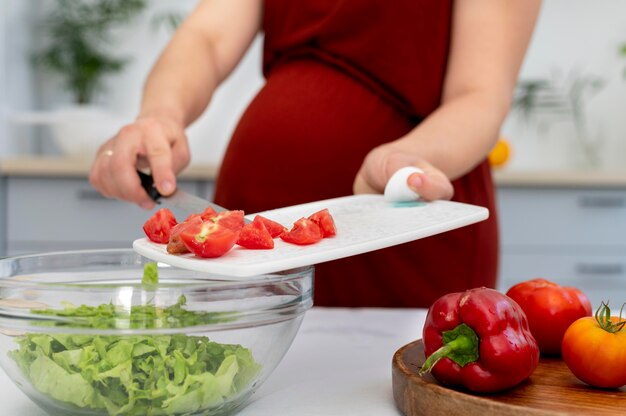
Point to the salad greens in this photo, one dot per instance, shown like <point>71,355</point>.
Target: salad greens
<point>135,374</point>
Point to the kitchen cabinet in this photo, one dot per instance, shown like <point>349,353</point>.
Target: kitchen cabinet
<point>60,210</point>
<point>573,235</point>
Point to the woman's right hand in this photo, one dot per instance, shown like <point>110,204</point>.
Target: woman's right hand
<point>159,144</point>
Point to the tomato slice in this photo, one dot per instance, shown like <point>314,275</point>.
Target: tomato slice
<point>230,219</point>
<point>325,221</point>
<point>175,245</point>
<point>159,225</point>
<point>304,232</point>
<point>208,239</point>
<point>275,229</point>
<point>255,235</point>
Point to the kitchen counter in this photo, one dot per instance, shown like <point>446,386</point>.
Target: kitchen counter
<point>560,179</point>
<point>62,167</point>
<point>79,168</point>
<point>339,364</point>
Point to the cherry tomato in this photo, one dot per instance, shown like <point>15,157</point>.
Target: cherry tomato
<point>175,245</point>
<point>275,229</point>
<point>594,349</point>
<point>550,309</point>
<point>159,225</point>
<point>255,236</point>
<point>208,239</point>
<point>325,221</point>
<point>304,232</point>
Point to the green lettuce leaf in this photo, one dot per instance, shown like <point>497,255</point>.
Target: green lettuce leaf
<point>135,374</point>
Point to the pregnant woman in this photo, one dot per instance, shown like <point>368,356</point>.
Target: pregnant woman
<point>355,90</point>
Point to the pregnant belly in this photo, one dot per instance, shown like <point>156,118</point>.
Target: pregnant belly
<point>303,138</point>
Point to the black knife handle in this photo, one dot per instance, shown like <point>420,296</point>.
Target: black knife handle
<point>147,183</point>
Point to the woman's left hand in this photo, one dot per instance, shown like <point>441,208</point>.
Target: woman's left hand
<point>382,162</point>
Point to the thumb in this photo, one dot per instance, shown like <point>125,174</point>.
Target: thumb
<point>431,184</point>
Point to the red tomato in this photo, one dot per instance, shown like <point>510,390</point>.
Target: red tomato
<point>304,232</point>
<point>550,310</point>
<point>275,229</point>
<point>255,235</point>
<point>175,245</point>
<point>594,349</point>
<point>159,225</point>
<point>208,213</point>
<point>230,219</point>
<point>208,239</point>
<point>325,221</point>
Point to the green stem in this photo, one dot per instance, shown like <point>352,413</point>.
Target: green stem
<point>460,345</point>
<point>603,317</point>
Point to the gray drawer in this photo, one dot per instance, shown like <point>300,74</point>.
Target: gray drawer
<point>571,217</point>
<point>601,277</point>
<point>68,213</point>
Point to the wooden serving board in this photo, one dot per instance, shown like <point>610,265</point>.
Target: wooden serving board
<point>551,390</point>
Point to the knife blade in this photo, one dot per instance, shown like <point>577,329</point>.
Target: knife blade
<point>179,199</point>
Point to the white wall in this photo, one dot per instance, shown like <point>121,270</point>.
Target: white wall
<point>3,96</point>
<point>28,90</point>
<point>576,37</point>
<point>15,75</point>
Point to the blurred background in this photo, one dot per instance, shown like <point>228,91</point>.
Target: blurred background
<point>559,166</point>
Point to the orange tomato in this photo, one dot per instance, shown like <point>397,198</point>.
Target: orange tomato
<point>594,349</point>
<point>500,153</point>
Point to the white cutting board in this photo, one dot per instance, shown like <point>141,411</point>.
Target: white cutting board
<point>364,223</point>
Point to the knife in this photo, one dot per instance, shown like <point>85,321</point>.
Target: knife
<point>179,199</point>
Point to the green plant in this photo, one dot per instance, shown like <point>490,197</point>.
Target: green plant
<point>77,31</point>
<point>543,102</point>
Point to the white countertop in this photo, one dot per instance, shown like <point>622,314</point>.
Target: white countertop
<point>339,364</point>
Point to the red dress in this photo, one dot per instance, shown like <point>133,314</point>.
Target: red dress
<point>344,76</point>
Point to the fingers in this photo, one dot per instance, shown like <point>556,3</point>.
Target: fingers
<point>159,155</point>
<point>145,143</point>
<point>430,185</point>
<point>381,163</point>
<point>112,172</point>
<point>122,176</point>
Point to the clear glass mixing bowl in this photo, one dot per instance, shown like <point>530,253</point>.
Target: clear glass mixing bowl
<point>81,335</point>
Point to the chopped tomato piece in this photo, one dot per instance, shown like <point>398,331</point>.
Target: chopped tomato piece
<point>230,219</point>
<point>275,229</point>
<point>208,213</point>
<point>325,221</point>
<point>191,217</point>
<point>255,235</point>
<point>176,245</point>
<point>304,232</point>
<point>159,225</point>
<point>208,239</point>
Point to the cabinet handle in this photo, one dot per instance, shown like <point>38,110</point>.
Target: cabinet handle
<point>606,201</point>
<point>91,195</point>
<point>600,268</point>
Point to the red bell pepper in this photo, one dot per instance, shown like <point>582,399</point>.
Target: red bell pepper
<point>480,340</point>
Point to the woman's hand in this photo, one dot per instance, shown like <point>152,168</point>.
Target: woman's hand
<point>382,162</point>
<point>157,143</point>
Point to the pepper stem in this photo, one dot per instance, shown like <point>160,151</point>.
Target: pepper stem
<point>459,344</point>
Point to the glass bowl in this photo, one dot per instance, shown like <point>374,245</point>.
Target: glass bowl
<point>81,334</point>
